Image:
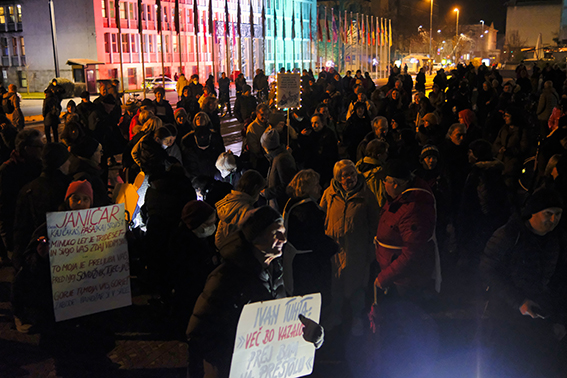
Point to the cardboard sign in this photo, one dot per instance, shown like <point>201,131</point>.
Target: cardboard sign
<point>88,255</point>
<point>269,339</point>
<point>289,89</point>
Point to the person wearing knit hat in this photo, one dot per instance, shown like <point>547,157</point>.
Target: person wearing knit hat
<point>86,148</point>
<point>55,156</point>
<point>257,221</point>
<point>544,206</point>
<point>429,157</point>
<point>199,217</point>
<point>270,140</point>
<point>79,195</point>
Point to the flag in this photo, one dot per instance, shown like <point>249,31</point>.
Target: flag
<point>292,20</point>
<point>117,13</point>
<point>363,29</point>
<point>357,29</point>
<point>368,39</point>
<point>275,22</point>
<point>373,30</point>
<point>204,27</point>
<point>319,28</point>
<point>251,20</point>
<point>390,33</point>
<point>140,14</point>
<point>335,37</point>
<point>341,30</point>
<point>239,20</point>
<point>195,17</point>
<point>176,21</point>
<point>211,31</point>
<point>263,20</point>
<point>328,29</point>
<point>310,26</point>
<point>301,20</point>
<point>226,18</point>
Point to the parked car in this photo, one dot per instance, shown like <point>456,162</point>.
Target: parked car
<point>437,66</point>
<point>152,82</point>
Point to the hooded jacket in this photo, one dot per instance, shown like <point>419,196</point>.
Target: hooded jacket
<point>231,210</point>
<point>239,280</point>
<point>405,248</point>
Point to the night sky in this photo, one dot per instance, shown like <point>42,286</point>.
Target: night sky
<point>472,11</point>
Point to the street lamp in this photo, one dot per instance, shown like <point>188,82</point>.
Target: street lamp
<point>457,30</point>
<point>430,27</point>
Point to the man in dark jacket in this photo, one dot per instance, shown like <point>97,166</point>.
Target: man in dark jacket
<point>195,88</point>
<point>224,92</point>
<point>42,195</point>
<point>524,267</point>
<point>163,109</point>
<point>244,105</point>
<point>252,271</point>
<point>51,112</point>
<point>24,166</point>
<point>260,84</point>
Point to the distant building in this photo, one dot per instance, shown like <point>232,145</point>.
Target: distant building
<point>89,45</point>
<point>479,41</point>
<point>525,20</point>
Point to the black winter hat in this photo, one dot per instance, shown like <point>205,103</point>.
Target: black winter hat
<point>195,213</point>
<point>397,168</point>
<point>540,200</point>
<point>85,148</point>
<point>256,221</point>
<point>54,155</point>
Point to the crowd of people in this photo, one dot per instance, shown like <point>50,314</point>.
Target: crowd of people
<point>366,188</point>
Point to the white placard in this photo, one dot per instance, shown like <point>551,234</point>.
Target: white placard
<point>289,87</point>
<point>269,338</point>
<point>88,256</point>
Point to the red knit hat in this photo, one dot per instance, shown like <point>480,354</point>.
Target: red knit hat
<point>81,187</point>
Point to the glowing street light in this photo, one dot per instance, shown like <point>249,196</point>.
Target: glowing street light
<point>457,28</point>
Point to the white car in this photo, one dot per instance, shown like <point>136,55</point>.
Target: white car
<point>152,82</point>
<point>437,66</point>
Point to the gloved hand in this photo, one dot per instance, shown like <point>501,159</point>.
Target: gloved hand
<point>312,331</point>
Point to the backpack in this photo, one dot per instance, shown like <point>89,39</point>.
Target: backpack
<point>8,105</point>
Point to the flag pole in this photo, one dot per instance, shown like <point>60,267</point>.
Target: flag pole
<point>117,16</point>
<point>140,30</point>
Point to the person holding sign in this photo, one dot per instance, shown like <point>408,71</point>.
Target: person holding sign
<point>32,297</point>
<point>252,272</point>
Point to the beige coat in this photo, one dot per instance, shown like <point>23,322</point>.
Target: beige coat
<point>352,223</point>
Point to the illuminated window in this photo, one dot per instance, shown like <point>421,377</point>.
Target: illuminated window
<point>19,13</point>
<point>133,44</point>
<point>2,15</point>
<point>103,8</point>
<point>123,15</point>
<point>132,13</point>
<point>22,47</point>
<point>11,14</point>
<point>125,43</point>
<point>111,8</point>
<point>167,44</point>
<point>114,44</point>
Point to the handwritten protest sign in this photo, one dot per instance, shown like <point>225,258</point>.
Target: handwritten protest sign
<point>289,86</point>
<point>269,339</point>
<point>88,254</point>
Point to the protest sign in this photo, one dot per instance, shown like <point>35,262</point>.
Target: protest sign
<point>88,255</point>
<point>269,338</point>
<point>289,87</point>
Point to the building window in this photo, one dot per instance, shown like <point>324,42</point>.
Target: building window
<point>103,8</point>
<point>4,46</point>
<point>132,76</point>
<point>134,45</point>
<point>149,8</point>
<point>23,79</point>
<point>123,15</point>
<point>132,13</point>
<point>2,15</point>
<point>174,44</point>
<point>151,43</point>
<point>125,43</point>
<point>111,9</point>
<point>22,47</point>
<point>107,43</point>
<point>167,44</point>
<point>14,46</point>
<point>11,14</point>
<point>114,45</point>
<point>19,13</point>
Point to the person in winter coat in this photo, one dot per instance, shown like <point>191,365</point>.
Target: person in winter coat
<point>311,268</point>
<point>420,80</point>
<point>547,101</point>
<point>195,88</point>
<point>190,104</point>
<point>192,258</point>
<point>371,167</point>
<point>252,271</point>
<point>430,132</point>
<point>351,220</point>
<point>523,266</point>
<point>232,208</point>
<point>405,239</point>
<point>51,112</point>
<point>357,127</point>
<point>150,152</point>
<point>319,148</point>
<point>510,146</point>
<point>85,165</point>
<point>484,205</point>
<point>40,196</point>
<point>32,297</point>
<point>245,105</point>
<point>437,98</point>
<point>224,92</point>
<point>228,169</point>
<point>468,118</point>
<point>163,109</point>
<point>254,132</point>
<point>11,106</point>
<point>182,82</point>
<point>201,147</point>
<point>23,166</point>
<point>7,138</point>
<point>282,169</point>
<point>182,123</point>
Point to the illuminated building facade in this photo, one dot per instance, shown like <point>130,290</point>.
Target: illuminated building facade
<point>89,43</point>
